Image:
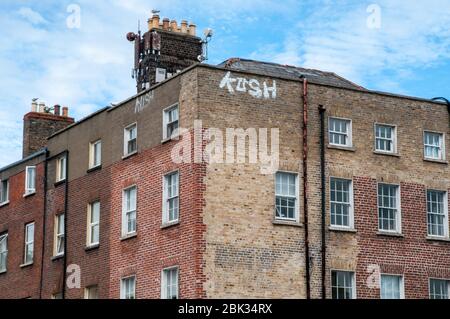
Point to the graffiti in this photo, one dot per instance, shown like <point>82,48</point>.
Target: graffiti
<point>143,101</point>
<point>373,280</point>
<point>252,87</point>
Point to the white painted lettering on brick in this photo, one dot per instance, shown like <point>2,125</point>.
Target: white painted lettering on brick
<point>250,86</point>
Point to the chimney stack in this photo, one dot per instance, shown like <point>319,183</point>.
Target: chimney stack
<point>39,125</point>
<point>65,111</point>
<point>165,49</point>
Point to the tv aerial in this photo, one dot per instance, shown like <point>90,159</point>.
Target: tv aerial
<point>208,34</point>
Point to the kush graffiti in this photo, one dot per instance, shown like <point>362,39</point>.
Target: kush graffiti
<point>250,86</point>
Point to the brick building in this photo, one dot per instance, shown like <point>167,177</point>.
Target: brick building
<point>355,204</point>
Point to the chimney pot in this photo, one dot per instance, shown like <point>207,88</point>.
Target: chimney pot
<point>41,107</point>
<point>34,106</point>
<point>174,26</point>
<point>57,110</point>
<point>184,26</point>
<point>166,24</point>
<point>150,23</point>
<point>193,29</point>
<point>155,21</point>
<point>65,111</point>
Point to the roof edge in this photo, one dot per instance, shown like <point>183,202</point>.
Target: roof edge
<point>23,160</point>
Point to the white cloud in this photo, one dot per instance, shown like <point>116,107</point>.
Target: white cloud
<point>32,16</point>
<point>336,38</point>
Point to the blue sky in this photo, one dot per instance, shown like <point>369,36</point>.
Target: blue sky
<point>406,49</point>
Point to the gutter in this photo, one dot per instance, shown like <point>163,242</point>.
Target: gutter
<point>305,186</point>
<point>322,111</point>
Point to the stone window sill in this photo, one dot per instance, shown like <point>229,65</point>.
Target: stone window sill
<point>389,234</point>
<point>342,148</point>
<point>442,239</point>
<point>437,161</point>
<point>341,229</point>
<point>169,139</point>
<point>128,237</point>
<point>92,247</point>
<point>169,225</point>
<point>58,183</point>
<point>129,155</point>
<point>293,223</point>
<point>386,153</point>
<point>4,204</point>
<point>94,169</point>
<point>26,265</point>
<point>3,272</point>
<point>57,257</point>
<point>29,194</point>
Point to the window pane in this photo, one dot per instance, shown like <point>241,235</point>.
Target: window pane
<point>3,252</point>
<point>439,289</point>
<point>339,131</point>
<point>286,195</point>
<point>388,207</point>
<point>340,202</point>
<point>342,284</point>
<point>384,138</point>
<point>437,213</point>
<point>391,287</point>
<point>171,283</point>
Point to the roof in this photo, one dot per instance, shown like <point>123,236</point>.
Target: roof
<point>288,71</point>
<point>43,151</point>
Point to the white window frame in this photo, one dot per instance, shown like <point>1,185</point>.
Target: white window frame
<point>394,138</point>
<point>4,237</point>
<point>164,273</point>
<point>354,293</point>
<point>166,122</point>
<point>398,229</point>
<point>122,287</point>
<point>446,219</point>
<point>29,242</point>
<point>402,284</point>
<point>165,204</point>
<point>351,216</point>
<point>125,213</point>
<point>59,235</point>
<point>297,198</point>
<point>127,140</point>
<point>440,279</point>
<point>61,165</point>
<point>442,148</point>
<point>4,182</point>
<point>93,153</point>
<point>87,291</point>
<point>31,190</point>
<point>91,225</point>
<point>348,134</point>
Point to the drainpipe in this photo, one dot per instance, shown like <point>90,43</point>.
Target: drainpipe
<point>305,185</point>
<point>66,208</point>
<point>41,279</point>
<point>323,196</point>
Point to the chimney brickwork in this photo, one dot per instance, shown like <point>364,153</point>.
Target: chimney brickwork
<point>39,124</point>
<point>165,49</point>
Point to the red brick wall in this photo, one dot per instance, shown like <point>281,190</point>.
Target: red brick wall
<point>22,282</point>
<point>413,256</point>
<point>145,255</point>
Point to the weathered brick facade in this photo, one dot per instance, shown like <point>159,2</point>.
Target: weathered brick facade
<point>228,243</point>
